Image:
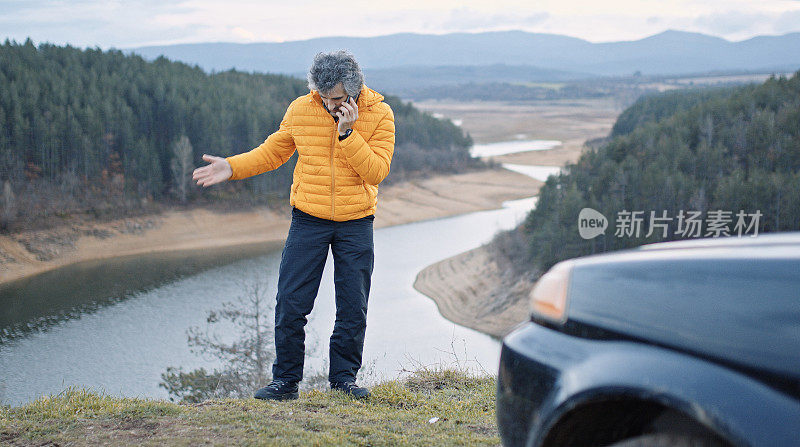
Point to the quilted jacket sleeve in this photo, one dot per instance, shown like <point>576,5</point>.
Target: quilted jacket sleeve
<point>272,153</point>
<point>371,159</point>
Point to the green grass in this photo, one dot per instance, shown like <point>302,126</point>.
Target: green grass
<point>397,413</point>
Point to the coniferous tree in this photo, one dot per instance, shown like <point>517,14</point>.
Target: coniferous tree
<point>731,150</point>
<point>110,120</point>
<point>182,166</point>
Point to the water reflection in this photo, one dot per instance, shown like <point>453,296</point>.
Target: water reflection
<point>40,301</point>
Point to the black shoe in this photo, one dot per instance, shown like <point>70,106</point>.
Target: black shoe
<point>350,388</point>
<point>278,390</point>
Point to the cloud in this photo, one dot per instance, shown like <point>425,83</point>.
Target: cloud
<point>130,23</point>
<point>788,22</point>
<point>243,33</point>
<point>92,23</point>
<point>730,22</point>
<point>10,7</point>
<point>465,19</point>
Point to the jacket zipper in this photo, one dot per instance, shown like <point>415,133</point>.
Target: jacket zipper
<point>333,176</point>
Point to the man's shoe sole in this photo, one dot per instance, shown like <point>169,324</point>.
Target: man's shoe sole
<point>287,396</point>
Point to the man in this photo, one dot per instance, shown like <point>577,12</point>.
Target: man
<point>344,134</point>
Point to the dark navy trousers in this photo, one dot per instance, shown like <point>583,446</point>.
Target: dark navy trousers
<point>302,262</point>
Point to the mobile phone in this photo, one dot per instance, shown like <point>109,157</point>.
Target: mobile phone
<point>346,100</point>
<point>339,107</point>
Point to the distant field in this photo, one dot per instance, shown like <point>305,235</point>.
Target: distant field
<point>708,81</point>
<point>518,88</point>
<point>727,79</point>
<point>550,85</point>
<point>569,120</point>
<point>563,119</point>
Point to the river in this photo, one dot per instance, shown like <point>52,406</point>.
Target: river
<point>116,325</point>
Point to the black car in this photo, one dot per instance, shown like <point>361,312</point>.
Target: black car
<point>689,343</point>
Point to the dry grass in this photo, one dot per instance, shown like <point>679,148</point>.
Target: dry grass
<point>434,406</point>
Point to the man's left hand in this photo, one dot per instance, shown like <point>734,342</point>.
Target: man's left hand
<point>348,114</point>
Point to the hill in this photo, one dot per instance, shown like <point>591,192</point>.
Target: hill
<point>91,131</point>
<point>547,56</point>
<point>429,408</point>
<point>717,153</point>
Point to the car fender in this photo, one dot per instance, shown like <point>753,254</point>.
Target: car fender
<point>718,398</point>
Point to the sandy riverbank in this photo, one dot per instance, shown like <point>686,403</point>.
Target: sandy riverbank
<point>26,254</point>
<point>471,289</point>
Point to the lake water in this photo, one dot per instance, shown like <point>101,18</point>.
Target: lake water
<point>116,325</point>
<point>510,147</point>
<point>537,172</point>
<point>125,342</point>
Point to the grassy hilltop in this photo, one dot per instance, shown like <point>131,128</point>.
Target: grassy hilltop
<point>399,412</point>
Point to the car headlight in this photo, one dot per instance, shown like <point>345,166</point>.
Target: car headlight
<point>548,298</point>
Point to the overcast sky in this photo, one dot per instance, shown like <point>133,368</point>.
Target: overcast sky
<point>131,23</point>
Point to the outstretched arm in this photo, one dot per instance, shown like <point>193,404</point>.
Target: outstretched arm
<point>272,153</point>
<point>217,172</point>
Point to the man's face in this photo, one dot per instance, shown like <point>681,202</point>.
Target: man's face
<point>334,98</point>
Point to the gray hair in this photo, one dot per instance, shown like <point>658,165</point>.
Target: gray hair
<point>329,69</point>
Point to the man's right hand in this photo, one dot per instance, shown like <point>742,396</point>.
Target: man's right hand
<point>217,172</point>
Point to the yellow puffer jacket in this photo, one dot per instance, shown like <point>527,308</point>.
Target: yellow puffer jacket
<point>335,180</point>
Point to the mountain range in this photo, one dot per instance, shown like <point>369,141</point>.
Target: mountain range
<point>667,53</point>
<point>402,62</point>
